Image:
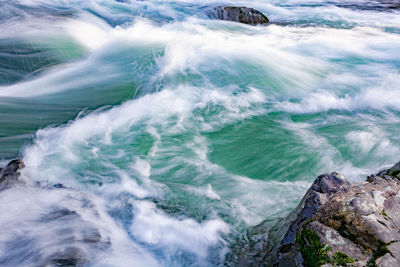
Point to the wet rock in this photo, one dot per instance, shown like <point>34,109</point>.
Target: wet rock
<point>10,175</point>
<point>240,14</point>
<point>70,256</point>
<point>338,224</point>
<point>78,240</point>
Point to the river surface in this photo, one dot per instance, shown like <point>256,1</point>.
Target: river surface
<point>186,131</point>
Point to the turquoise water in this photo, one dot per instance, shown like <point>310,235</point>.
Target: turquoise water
<point>187,131</point>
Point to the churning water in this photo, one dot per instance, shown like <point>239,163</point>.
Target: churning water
<point>178,133</point>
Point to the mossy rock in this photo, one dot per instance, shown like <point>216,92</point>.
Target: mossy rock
<point>341,259</point>
<point>314,253</point>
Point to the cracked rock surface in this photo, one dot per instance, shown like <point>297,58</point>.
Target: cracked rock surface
<point>360,222</point>
<point>336,224</point>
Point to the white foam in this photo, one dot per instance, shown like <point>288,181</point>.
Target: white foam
<point>365,140</point>
<point>376,98</point>
<point>89,31</point>
<point>295,60</point>
<point>156,228</point>
<point>142,167</point>
<point>58,153</point>
<point>62,78</point>
<point>204,191</point>
<point>330,157</point>
<point>156,108</point>
<point>188,47</point>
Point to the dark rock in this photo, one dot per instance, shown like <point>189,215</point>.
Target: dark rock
<point>59,186</point>
<point>70,256</point>
<point>10,175</point>
<point>240,14</point>
<point>12,168</point>
<point>394,171</point>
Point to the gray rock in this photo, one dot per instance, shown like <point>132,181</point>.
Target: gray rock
<point>387,261</point>
<point>337,223</point>
<point>240,14</point>
<point>288,253</point>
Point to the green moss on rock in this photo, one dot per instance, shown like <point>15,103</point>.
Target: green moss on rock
<point>394,173</point>
<point>341,259</point>
<point>314,253</point>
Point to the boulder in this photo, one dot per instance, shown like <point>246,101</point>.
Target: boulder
<point>10,175</point>
<point>240,14</point>
<point>336,224</point>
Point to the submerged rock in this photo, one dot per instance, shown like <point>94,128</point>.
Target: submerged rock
<point>240,14</point>
<point>377,5</point>
<point>336,224</point>
<point>63,232</point>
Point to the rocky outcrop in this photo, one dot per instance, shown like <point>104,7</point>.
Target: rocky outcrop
<point>288,252</point>
<point>240,14</point>
<point>339,224</point>
<point>335,224</point>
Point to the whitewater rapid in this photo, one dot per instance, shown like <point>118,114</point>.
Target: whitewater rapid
<point>182,131</point>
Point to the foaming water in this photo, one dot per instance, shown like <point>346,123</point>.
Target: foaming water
<point>173,133</point>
